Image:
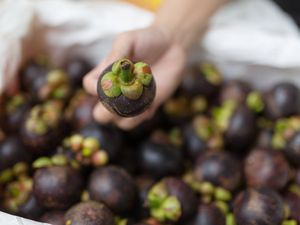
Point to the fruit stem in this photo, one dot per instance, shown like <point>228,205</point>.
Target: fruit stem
<point>126,72</point>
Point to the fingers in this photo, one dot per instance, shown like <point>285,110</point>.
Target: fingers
<point>102,115</point>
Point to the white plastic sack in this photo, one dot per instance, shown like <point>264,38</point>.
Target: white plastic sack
<point>249,39</point>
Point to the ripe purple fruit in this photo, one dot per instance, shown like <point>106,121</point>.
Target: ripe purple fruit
<point>238,124</point>
<point>171,200</point>
<point>203,79</point>
<point>200,136</point>
<point>126,88</point>
<point>266,168</point>
<point>79,112</point>
<point>89,213</point>
<point>282,100</point>
<point>54,218</point>
<point>42,129</point>
<point>218,168</point>
<point>208,214</point>
<point>260,206</point>
<point>57,187</point>
<point>114,187</point>
<point>158,157</point>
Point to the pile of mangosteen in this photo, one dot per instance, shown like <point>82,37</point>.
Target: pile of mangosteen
<point>216,153</point>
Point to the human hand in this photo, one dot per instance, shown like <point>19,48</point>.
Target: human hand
<point>153,46</point>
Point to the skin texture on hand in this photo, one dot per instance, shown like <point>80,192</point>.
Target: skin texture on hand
<point>150,45</point>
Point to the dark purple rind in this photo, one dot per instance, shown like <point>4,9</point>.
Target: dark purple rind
<point>12,151</point>
<point>208,214</point>
<point>292,149</point>
<point>123,106</point>
<point>235,90</point>
<point>194,83</point>
<point>242,129</point>
<point>90,213</point>
<point>54,218</point>
<point>276,170</point>
<point>184,194</point>
<point>258,206</point>
<point>282,100</point>
<point>114,187</point>
<point>57,187</point>
<point>31,209</point>
<point>219,168</point>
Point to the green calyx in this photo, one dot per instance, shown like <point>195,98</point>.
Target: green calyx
<point>19,170</point>
<point>177,106</point>
<point>222,194</point>
<point>43,117</point>
<point>230,220</point>
<point>58,86</point>
<point>294,188</point>
<point>289,222</point>
<point>211,73</point>
<point>14,103</point>
<point>17,194</point>
<point>163,207</point>
<point>126,78</point>
<point>222,114</point>
<point>199,104</point>
<point>87,150</point>
<point>55,160</point>
<point>255,102</point>
<point>284,129</point>
<point>175,137</point>
<point>203,127</point>
<point>121,221</point>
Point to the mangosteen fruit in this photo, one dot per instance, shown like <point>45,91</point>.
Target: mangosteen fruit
<point>126,88</point>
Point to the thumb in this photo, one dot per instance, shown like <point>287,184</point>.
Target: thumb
<point>122,47</point>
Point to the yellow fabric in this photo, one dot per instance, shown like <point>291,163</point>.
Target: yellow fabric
<point>148,4</point>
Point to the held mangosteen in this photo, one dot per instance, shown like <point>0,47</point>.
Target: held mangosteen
<point>109,137</point>
<point>238,123</point>
<point>114,187</point>
<point>282,100</point>
<point>126,88</point>
<point>218,168</point>
<point>54,218</point>
<point>266,168</point>
<point>89,213</point>
<point>43,127</point>
<point>159,157</point>
<point>79,112</point>
<point>200,136</point>
<point>76,69</point>
<point>260,206</point>
<point>204,79</point>
<point>56,187</point>
<point>208,214</point>
<point>171,200</point>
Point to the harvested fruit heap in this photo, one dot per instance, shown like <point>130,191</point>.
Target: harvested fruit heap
<point>216,153</point>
